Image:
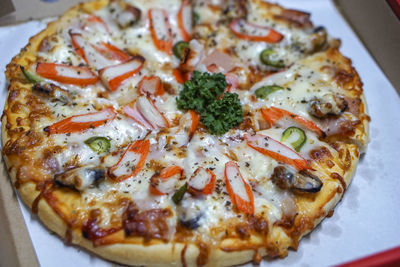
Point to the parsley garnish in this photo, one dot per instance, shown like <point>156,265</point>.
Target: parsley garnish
<point>202,94</point>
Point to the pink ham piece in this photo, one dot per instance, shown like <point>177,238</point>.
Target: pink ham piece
<point>276,150</point>
<point>222,61</point>
<point>253,32</point>
<point>80,76</point>
<point>238,189</point>
<point>113,76</point>
<point>185,20</point>
<point>202,182</point>
<point>144,112</point>
<point>131,162</point>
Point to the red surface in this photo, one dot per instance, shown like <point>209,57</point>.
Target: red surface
<point>395,5</point>
<point>388,258</point>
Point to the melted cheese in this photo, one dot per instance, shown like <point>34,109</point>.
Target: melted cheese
<point>302,81</point>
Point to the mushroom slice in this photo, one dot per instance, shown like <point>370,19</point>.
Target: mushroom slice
<point>302,181</point>
<point>328,104</point>
<point>319,39</point>
<point>81,178</point>
<point>53,91</point>
<point>190,213</point>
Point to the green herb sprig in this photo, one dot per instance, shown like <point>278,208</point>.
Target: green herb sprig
<point>202,93</point>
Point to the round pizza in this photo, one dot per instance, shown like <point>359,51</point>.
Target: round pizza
<point>201,132</point>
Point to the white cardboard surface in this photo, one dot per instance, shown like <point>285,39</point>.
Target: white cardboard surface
<point>365,221</point>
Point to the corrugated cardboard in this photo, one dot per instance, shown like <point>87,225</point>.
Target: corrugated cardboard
<point>6,7</point>
<point>15,245</point>
<point>33,9</point>
<point>378,27</point>
<point>373,21</point>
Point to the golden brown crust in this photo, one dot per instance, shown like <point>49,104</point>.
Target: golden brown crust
<point>331,162</point>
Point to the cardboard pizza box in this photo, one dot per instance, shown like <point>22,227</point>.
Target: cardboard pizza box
<point>375,23</point>
<point>16,11</point>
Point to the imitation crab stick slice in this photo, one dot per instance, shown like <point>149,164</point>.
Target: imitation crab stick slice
<point>160,29</point>
<point>144,112</point>
<point>80,76</point>
<point>151,85</point>
<point>276,150</point>
<point>113,76</point>
<point>96,24</point>
<point>253,32</point>
<point>131,162</point>
<point>98,56</point>
<point>275,116</point>
<point>238,189</point>
<point>185,20</point>
<point>80,123</point>
<point>187,127</point>
<point>179,76</point>
<point>189,122</point>
<point>202,182</point>
<point>164,183</point>
<point>112,52</point>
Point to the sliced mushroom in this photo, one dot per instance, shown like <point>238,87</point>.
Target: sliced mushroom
<point>319,39</point>
<point>296,17</point>
<point>53,91</point>
<point>302,181</point>
<point>328,104</point>
<point>81,178</point>
<point>233,9</point>
<point>125,15</point>
<point>190,213</point>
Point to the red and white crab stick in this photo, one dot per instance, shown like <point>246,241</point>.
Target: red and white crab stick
<point>66,74</point>
<point>80,123</point>
<point>253,32</point>
<point>238,189</point>
<point>131,162</point>
<point>276,150</point>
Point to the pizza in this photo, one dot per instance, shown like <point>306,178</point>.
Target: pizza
<point>199,132</point>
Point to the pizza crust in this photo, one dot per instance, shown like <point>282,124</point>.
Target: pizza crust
<point>159,254</point>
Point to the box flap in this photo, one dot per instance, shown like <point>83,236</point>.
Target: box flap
<point>15,244</point>
<point>378,27</point>
<point>6,7</point>
<point>33,9</point>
